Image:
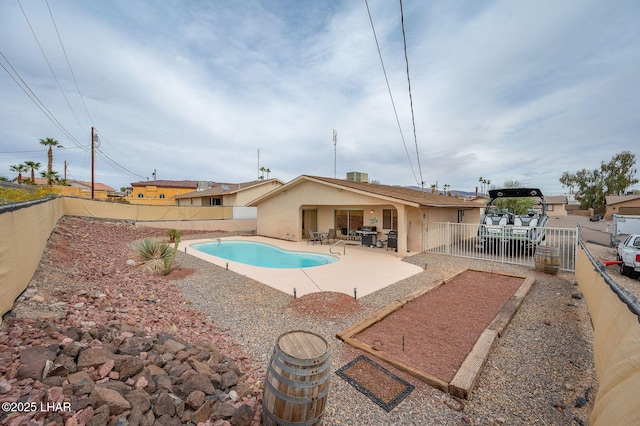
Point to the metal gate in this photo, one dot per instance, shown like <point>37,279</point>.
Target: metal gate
<point>505,244</point>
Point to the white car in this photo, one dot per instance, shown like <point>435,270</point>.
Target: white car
<point>629,255</point>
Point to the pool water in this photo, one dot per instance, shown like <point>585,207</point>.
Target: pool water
<point>264,255</point>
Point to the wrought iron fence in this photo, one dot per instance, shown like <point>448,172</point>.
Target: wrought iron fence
<point>502,243</point>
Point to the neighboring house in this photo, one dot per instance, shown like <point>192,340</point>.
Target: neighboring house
<point>622,204</point>
<point>319,204</point>
<point>162,192</point>
<point>228,194</point>
<point>78,188</point>
<point>556,205</point>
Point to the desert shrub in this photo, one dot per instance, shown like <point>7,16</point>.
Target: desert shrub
<point>156,255</point>
<point>21,195</point>
<point>174,236</point>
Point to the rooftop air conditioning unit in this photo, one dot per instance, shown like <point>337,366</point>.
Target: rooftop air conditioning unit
<point>358,177</point>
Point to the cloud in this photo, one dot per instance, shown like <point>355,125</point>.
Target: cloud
<point>503,90</point>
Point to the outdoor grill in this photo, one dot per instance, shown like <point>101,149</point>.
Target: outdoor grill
<point>368,235</point>
<point>392,240</point>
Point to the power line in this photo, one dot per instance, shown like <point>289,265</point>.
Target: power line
<point>391,96</point>
<point>34,98</point>
<point>69,63</point>
<point>49,65</point>
<point>413,119</point>
<point>37,150</point>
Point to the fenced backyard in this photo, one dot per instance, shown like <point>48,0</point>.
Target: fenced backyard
<point>502,243</point>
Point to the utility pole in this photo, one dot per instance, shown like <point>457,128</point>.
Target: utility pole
<point>335,142</point>
<point>258,164</point>
<point>93,139</point>
<point>65,170</point>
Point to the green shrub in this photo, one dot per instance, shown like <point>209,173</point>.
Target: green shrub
<point>21,195</point>
<point>156,255</point>
<point>174,236</point>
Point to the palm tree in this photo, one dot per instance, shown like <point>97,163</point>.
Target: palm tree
<point>51,176</point>
<point>33,166</point>
<point>50,142</point>
<point>20,169</point>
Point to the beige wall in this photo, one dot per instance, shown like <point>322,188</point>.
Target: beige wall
<point>240,198</point>
<point>558,210</point>
<point>24,236</point>
<point>25,231</point>
<point>245,196</point>
<point>108,210</point>
<point>616,348</point>
<point>244,226</point>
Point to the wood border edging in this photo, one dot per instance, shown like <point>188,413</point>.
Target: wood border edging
<point>469,372</point>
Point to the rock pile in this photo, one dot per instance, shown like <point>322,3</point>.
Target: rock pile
<point>116,375</point>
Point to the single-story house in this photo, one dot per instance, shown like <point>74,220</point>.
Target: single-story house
<point>622,204</point>
<point>320,203</point>
<point>556,205</point>
<point>228,194</point>
<point>78,188</point>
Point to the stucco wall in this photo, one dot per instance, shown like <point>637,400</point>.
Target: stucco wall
<point>107,210</point>
<point>25,232</point>
<point>616,208</point>
<point>558,210</point>
<point>281,215</point>
<point>244,197</point>
<point>616,347</point>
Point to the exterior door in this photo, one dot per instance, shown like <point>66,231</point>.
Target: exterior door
<point>309,221</point>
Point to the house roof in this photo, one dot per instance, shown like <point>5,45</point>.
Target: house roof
<point>393,193</point>
<point>167,183</point>
<point>616,199</point>
<point>97,185</point>
<point>556,199</point>
<point>226,188</point>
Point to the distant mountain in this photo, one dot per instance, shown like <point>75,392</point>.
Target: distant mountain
<point>453,191</point>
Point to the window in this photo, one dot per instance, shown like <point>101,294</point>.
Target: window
<point>348,222</point>
<point>161,195</point>
<point>215,201</point>
<point>549,207</point>
<point>141,195</point>
<point>389,219</point>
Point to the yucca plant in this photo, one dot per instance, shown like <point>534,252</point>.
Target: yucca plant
<point>174,236</point>
<point>156,255</point>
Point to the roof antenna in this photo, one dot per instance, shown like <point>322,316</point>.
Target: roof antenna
<point>335,142</point>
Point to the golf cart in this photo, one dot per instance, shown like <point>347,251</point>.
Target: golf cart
<point>501,227</point>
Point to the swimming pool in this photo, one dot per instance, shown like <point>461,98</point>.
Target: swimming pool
<point>264,255</point>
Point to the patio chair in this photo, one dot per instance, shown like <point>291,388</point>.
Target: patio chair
<point>331,235</point>
<point>313,237</point>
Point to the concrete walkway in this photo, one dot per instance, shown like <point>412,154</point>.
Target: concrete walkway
<point>363,268</point>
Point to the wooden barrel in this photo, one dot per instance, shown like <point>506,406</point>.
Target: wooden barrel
<point>547,259</point>
<point>297,382</point>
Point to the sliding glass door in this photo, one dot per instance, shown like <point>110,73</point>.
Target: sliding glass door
<point>348,221</point>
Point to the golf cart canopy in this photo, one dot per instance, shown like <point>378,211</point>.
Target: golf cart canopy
<point>515,193</point>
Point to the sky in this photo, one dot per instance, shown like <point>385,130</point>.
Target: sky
<point>214,90</point>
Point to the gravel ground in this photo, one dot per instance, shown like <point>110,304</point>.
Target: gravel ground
<point>541,371</point>
<point>538,373</point>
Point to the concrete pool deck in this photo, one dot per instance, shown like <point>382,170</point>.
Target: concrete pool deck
<point>364,268</point>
